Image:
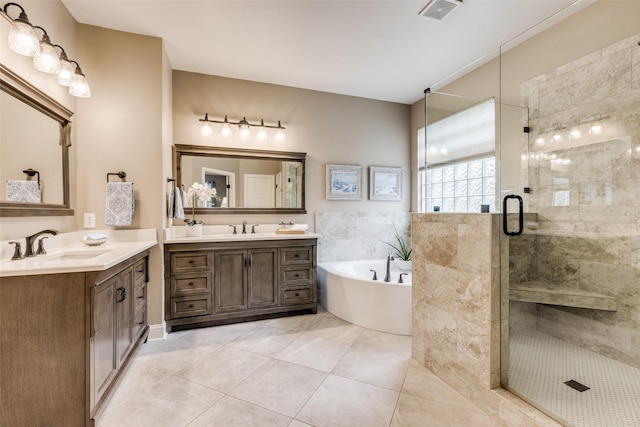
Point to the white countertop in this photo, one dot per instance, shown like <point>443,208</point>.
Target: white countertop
<point>67,254</point>
<point>222,233</point>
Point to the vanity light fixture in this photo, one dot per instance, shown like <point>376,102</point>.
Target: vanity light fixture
<point>47,60</point>
<point>244,126</point>
<point>24,41</point>
<point>22,37</point>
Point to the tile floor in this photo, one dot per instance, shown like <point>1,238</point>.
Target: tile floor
<point>311,370</point>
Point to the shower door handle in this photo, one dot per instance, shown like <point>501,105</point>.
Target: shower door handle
<point>505,226</point>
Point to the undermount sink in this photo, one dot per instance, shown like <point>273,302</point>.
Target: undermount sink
<point>77,255</point>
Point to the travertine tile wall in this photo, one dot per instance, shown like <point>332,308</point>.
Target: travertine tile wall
<point>456,301</point>
<point>349,236</point>
<point>585,193</point>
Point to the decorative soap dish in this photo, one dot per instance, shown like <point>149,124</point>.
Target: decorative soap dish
<point>95,239</point>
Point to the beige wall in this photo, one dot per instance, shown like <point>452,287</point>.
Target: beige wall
<point>121,128</point>
<point>329,128</point>
<point>60,26</point>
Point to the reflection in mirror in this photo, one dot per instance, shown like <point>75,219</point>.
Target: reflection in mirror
<point>34,149</point>
<point>244,180</point>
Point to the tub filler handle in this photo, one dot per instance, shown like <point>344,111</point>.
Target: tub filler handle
<point>375,275</point>
<point>400,278</point>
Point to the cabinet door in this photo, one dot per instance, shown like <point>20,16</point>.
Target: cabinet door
<point>104,344</point>
<point>262,277</point>
<point>124,313</point>
<point>230,284</point>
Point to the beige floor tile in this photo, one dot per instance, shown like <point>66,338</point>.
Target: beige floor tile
<point>139,378</point>
<point>231,412</point>
<point>294,323</point>
<point>389,343</point>
<point>176,353</point>
<point>221,334</point>
<point>314,352</point>
<point>331,327</point>
<point>280,386</point>
<point>414,411</point>
<point>423,383</point>
<point>345,402</point>
<point>223,369</point>
<point>171,402</point>
<point>296,423</point>
<point>368,364</point>
<point>265,340</point>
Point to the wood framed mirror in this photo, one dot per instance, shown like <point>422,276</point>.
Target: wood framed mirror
<point>34,142</point>
<point>246,181</point>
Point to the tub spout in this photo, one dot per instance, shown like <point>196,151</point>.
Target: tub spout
<point>387,277</point>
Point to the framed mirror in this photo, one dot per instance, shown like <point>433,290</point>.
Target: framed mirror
<point>245,181</point>
<point>34,150</point>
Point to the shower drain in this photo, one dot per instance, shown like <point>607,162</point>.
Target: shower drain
<point>576,385</point>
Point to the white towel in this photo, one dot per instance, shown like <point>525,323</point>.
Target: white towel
<point>23,191</point>
<point>178,209</point>
<point>120,204</point>
<point>300,227</point>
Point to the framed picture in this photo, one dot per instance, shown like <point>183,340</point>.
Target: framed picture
<point>385,183</point>
<point>344,182</point>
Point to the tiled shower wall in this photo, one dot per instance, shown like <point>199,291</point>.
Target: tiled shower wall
<point>585,193</point>
<point>350,236</point>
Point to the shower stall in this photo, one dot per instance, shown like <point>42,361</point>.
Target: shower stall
<point>570,248</point>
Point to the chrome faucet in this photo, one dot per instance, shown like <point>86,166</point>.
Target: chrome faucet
<point>387,277</point>
<point>30,240</point>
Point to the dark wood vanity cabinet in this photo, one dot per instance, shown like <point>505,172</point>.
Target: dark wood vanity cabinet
<point>225,282</point>
<point>65,341</point>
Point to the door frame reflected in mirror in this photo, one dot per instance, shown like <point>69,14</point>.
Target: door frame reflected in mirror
<point>180,150</point>
<point>14,85</point>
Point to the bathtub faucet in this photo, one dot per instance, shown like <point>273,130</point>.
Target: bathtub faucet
<point>387,277</point>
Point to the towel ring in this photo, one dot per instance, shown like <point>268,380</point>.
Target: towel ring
<point>31,172</point>
<point>122,175</point>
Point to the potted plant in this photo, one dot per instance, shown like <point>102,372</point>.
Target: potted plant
<point>197,192</point>
<point>402,251</point>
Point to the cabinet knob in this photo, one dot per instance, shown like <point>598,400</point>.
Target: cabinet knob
<point>190,305</point>
<point>297,275</point>
<point>297,256</point>
<point>297,294</point>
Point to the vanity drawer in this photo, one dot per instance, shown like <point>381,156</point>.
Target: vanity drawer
<point>140,295</point>
<point>139,321</point>
<point>190,261</point>
<point>182,285</point>
<point>190,306</point>
<point>297,295</point>
<point>297,275</point>
<point>140,271</point>
<point>296,255</point>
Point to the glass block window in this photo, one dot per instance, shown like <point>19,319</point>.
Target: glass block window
<point>460,187</point>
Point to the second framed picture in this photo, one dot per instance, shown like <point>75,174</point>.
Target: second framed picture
<point>385,183</point>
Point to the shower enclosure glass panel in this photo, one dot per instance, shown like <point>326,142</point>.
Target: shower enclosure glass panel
<point>570,282</point>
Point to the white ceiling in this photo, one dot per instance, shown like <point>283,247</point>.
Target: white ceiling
<point>373,49</point>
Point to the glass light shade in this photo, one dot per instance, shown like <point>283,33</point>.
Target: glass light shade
<point>557,136</point>
<point>575,133</point>
<point>226,131</point>
<point>245,133</point>
<point>262,133</point>
<point>48,60</point>
<point>596,129</point>
<point>66,73</point>
<point>280,136</point>
<point>206,130</point>
<point>23,39</point>
<point>79,86</point>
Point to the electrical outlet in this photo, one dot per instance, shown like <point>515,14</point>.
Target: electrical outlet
<point>89,220</point>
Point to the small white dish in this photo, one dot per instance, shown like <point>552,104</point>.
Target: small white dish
<point>95,239</point>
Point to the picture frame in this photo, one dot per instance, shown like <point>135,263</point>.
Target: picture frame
<point>344,182</point>
<point>385,183</point>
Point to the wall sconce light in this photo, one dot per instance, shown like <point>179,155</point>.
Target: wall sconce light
<point>244,126</point>
<point>22,37</point>
<point>24,41</point>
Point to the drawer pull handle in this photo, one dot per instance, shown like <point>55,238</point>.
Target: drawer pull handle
<point>190,305</point>
<point>123,294</point>
<point>141,297</point>
<point>141,323</point>
<point>191,261</point>
<point>140,271</point>
<point>297,256</point>
<point>190,284</point>
<point>297,275</point>
<point>297,294</point>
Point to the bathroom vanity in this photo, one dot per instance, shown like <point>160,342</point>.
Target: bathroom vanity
<point>220,279</point>
<point>72,321</point>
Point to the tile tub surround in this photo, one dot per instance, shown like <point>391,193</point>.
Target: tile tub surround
<point>350,236</point>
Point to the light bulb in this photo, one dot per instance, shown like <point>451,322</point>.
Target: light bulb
<point>226,132</point>
<point>557,136</point>
<point>262,132</point>
<point>280,136</point>
<point>540,141</point>
<point>575,133</point>
<point>22,36</point>
<point>245,133</point>
<point>596,129</point>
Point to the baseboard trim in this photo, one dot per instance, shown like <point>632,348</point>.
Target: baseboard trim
<point>157,332</point>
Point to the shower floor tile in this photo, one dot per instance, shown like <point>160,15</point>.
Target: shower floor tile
<point>541,364</point>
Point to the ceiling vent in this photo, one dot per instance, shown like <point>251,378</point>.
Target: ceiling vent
<point>439,9</point>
